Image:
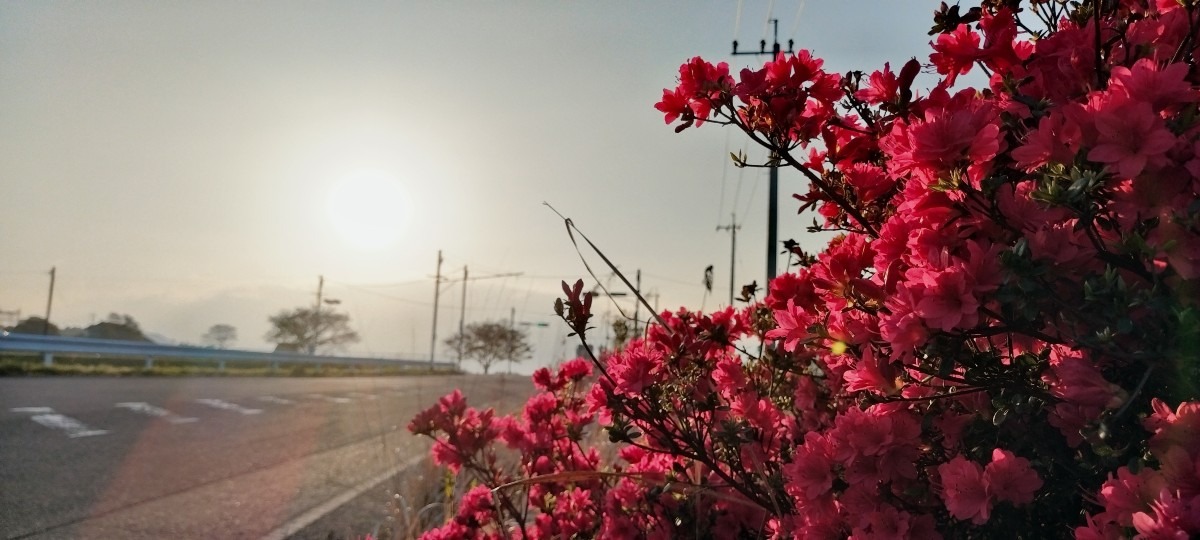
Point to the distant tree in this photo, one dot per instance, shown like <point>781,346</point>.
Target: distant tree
<point>311,331</point>
<point>620,333</point>
<point>35,325</point>
<point>220,335</point>
<point>489,343</point>
<point>73,331</point>
<point>117,326</point>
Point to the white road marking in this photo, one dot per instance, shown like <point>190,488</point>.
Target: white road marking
<point>227,406</point>
<point>32,410</point>
<point>158,412</point>
<point>313,514</point>
<point>330,399</point>
<point>73,427</point>
<point>361,395</point>
<point>276,400</point>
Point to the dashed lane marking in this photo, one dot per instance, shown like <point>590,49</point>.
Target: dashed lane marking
<point>147,409</point>
<point>227,406</point>
<point>47,417</point>
<point>276,400</point>
<point>331,399</point>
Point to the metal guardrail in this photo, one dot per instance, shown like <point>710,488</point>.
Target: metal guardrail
<point>48,346</point>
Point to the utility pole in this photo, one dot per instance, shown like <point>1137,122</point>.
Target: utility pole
<point>637,305</point>
<point>733,229</point>
<point>462,315</point>
<point>773,189</point>
<point>312,347</point>
<point>437,289</point>
<point>512,324</point>
<point>49,302</point>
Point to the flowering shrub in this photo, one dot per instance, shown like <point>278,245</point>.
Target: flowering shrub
<point>1004,341</point>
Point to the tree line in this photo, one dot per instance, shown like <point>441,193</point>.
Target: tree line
<point>305,330</point>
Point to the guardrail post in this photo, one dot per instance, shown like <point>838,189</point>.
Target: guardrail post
<point>274,366</point>
<point>47,359</point>
<point>220,365</point>
<point>149,362</point>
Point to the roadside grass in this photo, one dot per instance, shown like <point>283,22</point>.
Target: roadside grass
<point>17,365</point>
<point>419,501</point>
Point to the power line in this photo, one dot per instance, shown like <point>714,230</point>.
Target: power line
<point>767,26</point>
<point>674,280</point>
<point>737,20</point>
<point>379,294</point>
<point>725,159</point>
<point>753,191</point>
<point>394,284</point>
<point>796,23</point>
<point>733,229</point>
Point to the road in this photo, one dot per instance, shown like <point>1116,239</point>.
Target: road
<point>204,457</point>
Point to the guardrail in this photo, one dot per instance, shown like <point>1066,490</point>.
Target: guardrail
<point>48,346</point>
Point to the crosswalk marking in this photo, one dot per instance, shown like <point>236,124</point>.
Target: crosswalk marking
<point>47,417</point>
<point>227,406</point>
<point>147,409</point>
<point>276,400</point>
<point>331,399</point>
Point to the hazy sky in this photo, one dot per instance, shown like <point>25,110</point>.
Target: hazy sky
<point>176,160</point>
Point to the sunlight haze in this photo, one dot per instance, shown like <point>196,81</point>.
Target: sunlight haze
<point>196,163</point>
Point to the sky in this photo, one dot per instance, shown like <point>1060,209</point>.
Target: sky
<point>197,163</point>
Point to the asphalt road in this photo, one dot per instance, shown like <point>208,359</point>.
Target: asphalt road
<point>206,458</point>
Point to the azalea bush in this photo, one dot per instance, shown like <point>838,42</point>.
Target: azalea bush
<point>1003,340</point>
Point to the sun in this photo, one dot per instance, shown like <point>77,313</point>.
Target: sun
<point>368,209</point>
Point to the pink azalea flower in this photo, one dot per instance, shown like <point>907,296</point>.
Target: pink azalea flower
<point>1147,83</point>
<point>1010,478</point>
<point>574,370</point>
<point>868,180</point>
<point>868,432</point>
<point>793,326</point>
<point>948,301</point>
<point>955,52</point>
<point>1173,518</point>
<point>1055,140</point>
<point>810,473</point>
<point>1127,493</point>
<point>873,372</point>
<point>883,87</point>
<point>1180,427</point>
<point>965,490</point>
<point>1130,138</point>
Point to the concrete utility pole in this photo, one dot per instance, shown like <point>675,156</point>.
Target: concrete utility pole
<point>49,302</point>
<point>733,229</point>
<point>312,347</point>
<point>462,316</point>
<point>637,306</point>
<point>773,189</point>
<point>512,323</point>
<point>437,289</point>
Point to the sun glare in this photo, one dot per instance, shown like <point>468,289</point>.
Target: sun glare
<point>368,209</point>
